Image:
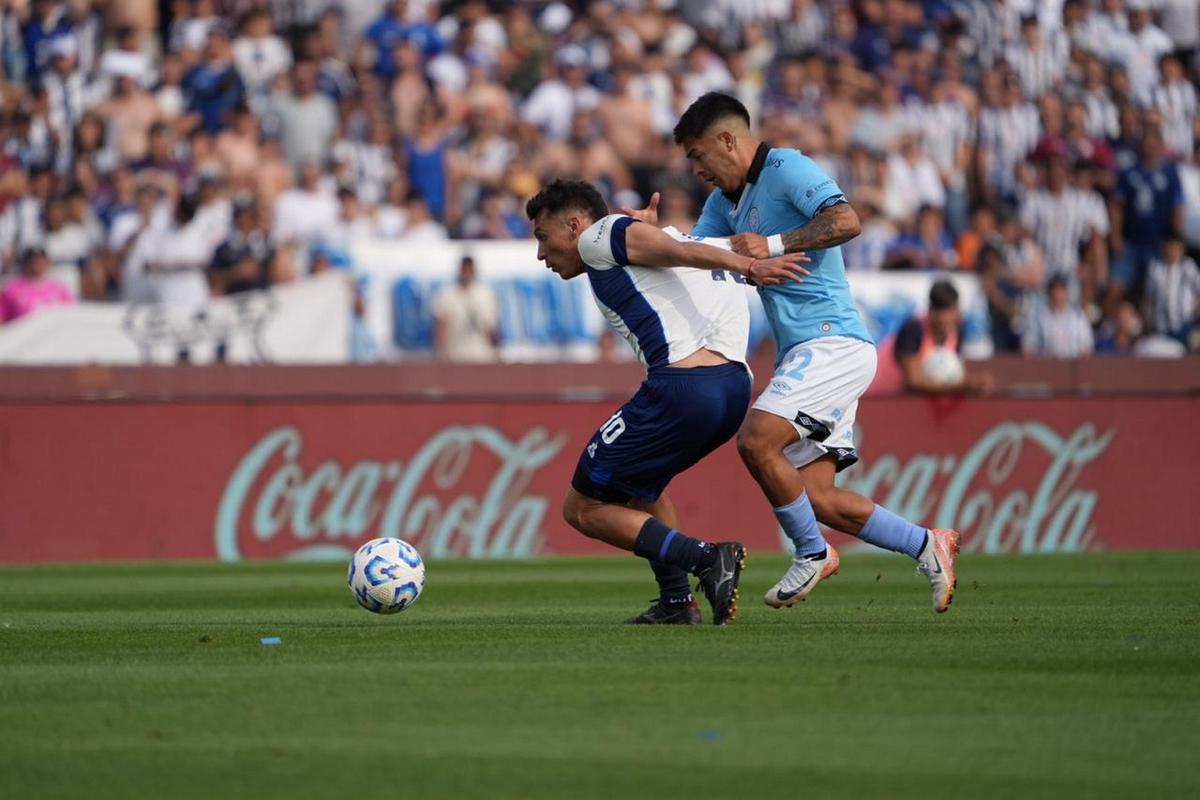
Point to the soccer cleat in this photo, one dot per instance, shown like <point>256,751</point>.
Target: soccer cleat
<point>936,563</point>
<point>660,613</point>
<point>720,581</point>
<point>801,578</point>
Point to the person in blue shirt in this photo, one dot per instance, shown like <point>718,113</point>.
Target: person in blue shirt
<point>214,87</point>
<point>800,432</point>
<point>1147,205</point>
<point>391,29</point>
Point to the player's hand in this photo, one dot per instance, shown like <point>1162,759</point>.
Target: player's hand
<point>649,214</point>
<point>774,271</point>
<point>751,244</point>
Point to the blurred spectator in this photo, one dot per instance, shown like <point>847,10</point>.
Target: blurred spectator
<point>1057,328</point>
<point>419,224</point>
<point>426,153</point>
<point>308,119</point>
<point>1040,60</point>
<point>168,262</point>
<point>498,218</point>
<point>913,181</point>
<point>1172,292</point>
<point>1139,48</point>
<point>1175,99</point>
<point>1146,206</point>
<point>553,104</point>
<point>33,289</point>
<point>1063,218</point>
<point>259,54</point>
<point>467,318</point>
<point>926,246</point>
<point>872,247</point>
<point>306,212</point>
<point>242,262</point>
<point>928,348</point>
<point>213,87</point>
<point>1118,336</point>
<point>394,27</point>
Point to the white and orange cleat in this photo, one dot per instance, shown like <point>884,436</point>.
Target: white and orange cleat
<point>801,578</point>
<point>936,563</point>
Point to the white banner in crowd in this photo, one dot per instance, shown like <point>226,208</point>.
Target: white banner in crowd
<point>543,318</point>
<point>546,318</point>
<point>304,322</point>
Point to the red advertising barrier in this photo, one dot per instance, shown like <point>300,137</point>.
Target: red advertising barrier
<point>129,481</point>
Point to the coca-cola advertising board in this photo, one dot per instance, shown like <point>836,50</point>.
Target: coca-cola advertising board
<point>231,481</point>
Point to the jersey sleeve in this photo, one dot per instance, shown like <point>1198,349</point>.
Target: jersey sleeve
<point>602,246</point>
<point>713,219</point>
<point>808,186</point>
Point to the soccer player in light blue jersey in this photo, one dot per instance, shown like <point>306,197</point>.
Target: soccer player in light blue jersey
<point>800,432</point>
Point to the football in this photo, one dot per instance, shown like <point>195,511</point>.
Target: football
<point>386,575</point>
<point>942,367</point>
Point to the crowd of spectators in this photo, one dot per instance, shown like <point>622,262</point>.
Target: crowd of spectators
<point>171,151</point>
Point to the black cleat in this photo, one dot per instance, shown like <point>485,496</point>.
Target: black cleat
<point>660,613</point>
<point>720,581</point>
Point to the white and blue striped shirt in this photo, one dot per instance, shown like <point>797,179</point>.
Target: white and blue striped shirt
<point>665,314</point>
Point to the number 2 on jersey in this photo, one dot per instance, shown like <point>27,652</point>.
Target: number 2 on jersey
<point>795,368</point>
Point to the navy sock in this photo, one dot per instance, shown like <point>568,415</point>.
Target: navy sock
<point>672,583</point>
<point>657,542</point>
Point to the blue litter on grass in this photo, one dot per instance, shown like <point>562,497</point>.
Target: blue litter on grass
<point>271,640</point>
<point>710,736</point>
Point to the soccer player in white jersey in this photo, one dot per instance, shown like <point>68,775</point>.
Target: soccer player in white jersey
<point>679,304</point>
<point>800,432</point>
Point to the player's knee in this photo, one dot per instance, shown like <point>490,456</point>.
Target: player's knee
<point>578,511</point>
<point>753,446</point>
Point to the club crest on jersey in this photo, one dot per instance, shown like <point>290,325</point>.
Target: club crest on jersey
<point>753,218</point>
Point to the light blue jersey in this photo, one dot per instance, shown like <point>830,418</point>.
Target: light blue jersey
<point>784,191</point>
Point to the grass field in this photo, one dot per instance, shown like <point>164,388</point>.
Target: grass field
<point>1054,676</point>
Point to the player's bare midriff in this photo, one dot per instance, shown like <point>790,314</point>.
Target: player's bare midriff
<point>701,358</point>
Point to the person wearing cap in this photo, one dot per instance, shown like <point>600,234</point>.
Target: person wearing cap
<point>33,289</point>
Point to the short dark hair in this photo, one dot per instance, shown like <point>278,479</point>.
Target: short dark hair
<point>705,111</point>
<point>943,295</point>
<point>560,195</point>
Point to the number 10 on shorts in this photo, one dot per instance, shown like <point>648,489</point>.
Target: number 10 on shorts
<point>613,428</point>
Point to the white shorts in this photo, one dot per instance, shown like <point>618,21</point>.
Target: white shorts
<point>816,388</point>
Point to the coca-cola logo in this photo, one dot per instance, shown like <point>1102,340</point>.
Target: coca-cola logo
<point>325,511</point>
<point>1014,491</point>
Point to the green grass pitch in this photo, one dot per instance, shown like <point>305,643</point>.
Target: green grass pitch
<point>1051,676</point>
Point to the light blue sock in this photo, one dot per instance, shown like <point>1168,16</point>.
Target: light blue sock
<point>800,524</point>
<point>885,529</point>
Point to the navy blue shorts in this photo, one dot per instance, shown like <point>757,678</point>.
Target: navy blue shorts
<point>677,417</point>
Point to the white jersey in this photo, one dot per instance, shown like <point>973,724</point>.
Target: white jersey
<point>665,314</point>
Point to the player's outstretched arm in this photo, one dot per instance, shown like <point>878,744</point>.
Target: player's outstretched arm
<point>833,225</point>
<point>647,246</point>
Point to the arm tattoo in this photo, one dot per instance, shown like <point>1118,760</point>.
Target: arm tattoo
<point>829,228</point>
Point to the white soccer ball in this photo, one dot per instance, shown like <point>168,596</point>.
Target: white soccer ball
<point>943,367</point>
<point>386,575</point>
